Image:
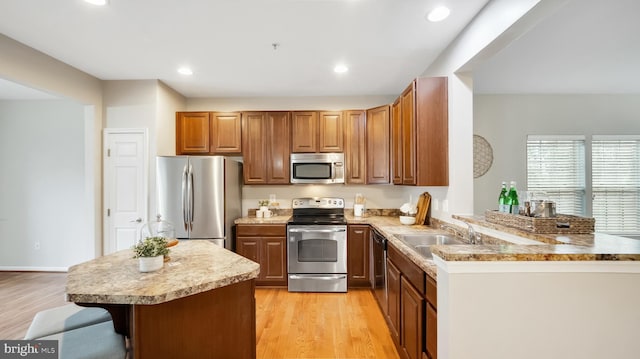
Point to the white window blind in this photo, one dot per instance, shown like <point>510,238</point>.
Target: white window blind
<point>556,166</point>
<point>616,183</point>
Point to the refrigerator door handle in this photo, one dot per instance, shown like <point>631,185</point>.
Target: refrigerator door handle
<point>185,199</point>
<point>191,204</point>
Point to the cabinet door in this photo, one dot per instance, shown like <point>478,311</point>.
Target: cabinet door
<point>273,268</point>
<point>431,332</point>
<point>393,300</point>
<point>192,133</point>
<point>378,145</point>
<point>331,132</point>
<point>396,142</point>
<point>432,156</point>
<point>355,146</point>
<point>304,131</point>
<point>411,319</point>
<point>358,256</point>
<point>407,113</point>
<point>249,247</point>
<point>254,149</point>
<point>226,133</point>
<point>278,140</point>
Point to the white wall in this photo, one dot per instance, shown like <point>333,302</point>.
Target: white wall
<point>168,103</point>
<point>26,66</point>
<point>497,24</point>
<point>146,104</point>
<point>530,310</point>
<point>43,194</point>
<point>506,120</point>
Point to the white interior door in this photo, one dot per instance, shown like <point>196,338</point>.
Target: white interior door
<point>125,187</point>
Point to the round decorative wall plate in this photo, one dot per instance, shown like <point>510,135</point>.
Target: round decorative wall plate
<point>482,156</point>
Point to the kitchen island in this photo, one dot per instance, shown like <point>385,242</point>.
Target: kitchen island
<point>201,304</point>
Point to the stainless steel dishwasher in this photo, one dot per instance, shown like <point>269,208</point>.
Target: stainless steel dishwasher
<point>379,268</point>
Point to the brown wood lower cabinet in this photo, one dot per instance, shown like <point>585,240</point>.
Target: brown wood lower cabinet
<point>266,245</point>
<point>431,323</point>
<point>393,301</point>
<point>411,320</point>
<point>412,303</point>
<point>358,256</point>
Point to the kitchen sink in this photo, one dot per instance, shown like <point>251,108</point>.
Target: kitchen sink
<point>422,243</point>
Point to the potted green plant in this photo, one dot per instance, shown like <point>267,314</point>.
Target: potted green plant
<point>150,253</point>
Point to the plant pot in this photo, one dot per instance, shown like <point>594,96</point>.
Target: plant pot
<point>150,264</point>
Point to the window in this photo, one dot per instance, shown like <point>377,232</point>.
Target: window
<point>616,183</point>
<point>556,166</point>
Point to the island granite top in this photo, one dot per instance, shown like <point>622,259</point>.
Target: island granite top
<point>195,266</point>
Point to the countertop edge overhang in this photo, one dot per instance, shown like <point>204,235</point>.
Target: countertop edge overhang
<point>195,266</point>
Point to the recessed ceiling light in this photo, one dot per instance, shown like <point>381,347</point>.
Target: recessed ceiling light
<point>438,14</point>
<point>97,2</point>
<point>185,71</point>
<point>341,68</point>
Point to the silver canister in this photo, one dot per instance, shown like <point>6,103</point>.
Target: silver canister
<point>543,208</point>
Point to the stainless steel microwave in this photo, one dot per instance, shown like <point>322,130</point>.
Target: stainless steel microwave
<point>320,168</point>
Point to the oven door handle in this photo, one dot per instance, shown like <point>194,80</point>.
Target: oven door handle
<point>319,276</point>
<point>300,230</point>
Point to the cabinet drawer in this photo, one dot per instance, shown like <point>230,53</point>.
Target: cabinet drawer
<point>432,292</point>
<point>412,272</point>
<point>261,230</point>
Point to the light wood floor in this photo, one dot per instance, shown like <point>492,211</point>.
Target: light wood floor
<point>289,325</point>
<point>23,294</point>
<point>321,325</point>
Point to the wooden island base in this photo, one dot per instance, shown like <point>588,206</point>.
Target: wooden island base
<point>216,324</point>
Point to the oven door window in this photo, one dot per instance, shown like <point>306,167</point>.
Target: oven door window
<point>312,171</point>
<point>318,250</point>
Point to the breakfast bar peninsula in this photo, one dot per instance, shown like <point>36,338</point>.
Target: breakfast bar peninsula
<point>201,304</point>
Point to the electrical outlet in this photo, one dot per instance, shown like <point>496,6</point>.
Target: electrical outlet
<point>37,246</point>
<point>445,205</point>
<point>436,204</point>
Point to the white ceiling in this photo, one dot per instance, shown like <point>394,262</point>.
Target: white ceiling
<point>228,43</point>
<point>588,46</point>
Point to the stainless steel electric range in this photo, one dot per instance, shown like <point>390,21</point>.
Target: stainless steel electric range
<point>317,245</point>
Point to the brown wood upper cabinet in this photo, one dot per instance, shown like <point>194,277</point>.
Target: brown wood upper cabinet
<point>378,145</point>
<point>226,135</point>
<point>317,131</point>
<point>204,133</point>
<point>419,134</point>
<point>265,147</point>
<point>355,146</point>
<point>192,133</point>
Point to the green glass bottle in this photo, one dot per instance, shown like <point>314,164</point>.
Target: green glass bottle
<point>502,199</point>
<point>512,199</point>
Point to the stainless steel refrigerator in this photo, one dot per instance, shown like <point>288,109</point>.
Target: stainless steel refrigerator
<point>200,196</point>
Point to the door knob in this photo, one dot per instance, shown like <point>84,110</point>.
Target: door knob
<point>139,220</point>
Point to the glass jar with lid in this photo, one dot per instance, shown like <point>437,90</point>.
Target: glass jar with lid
<point>158,228</point>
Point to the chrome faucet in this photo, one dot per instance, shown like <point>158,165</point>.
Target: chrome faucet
<point>474,238</point>
<point>471,237</point>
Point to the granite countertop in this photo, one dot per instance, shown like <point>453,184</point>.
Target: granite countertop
<point>195,266</point>
<point>552,247</point>
<point>579,247</point>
